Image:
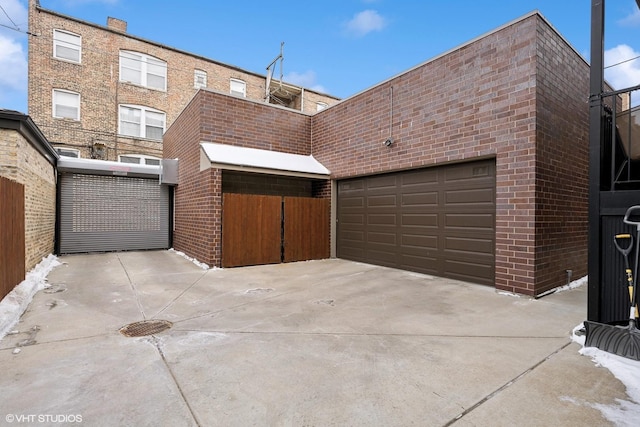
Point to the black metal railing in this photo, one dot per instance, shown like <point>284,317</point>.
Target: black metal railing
<point>621,141</point>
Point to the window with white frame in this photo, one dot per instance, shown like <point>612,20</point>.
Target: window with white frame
<point>66,104</point>
<point>143,70</point>
<point>67,46</point>
<point>141,122</point>
<point>321,106</point>
<point>68,152</point>
<point>238,87</point>
<point>199,79</point>
<point>139,159</point>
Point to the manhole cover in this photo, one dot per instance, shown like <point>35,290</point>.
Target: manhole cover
<point>145,327</point>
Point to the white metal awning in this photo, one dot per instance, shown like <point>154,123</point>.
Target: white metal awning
<point>223,156</point>
<point>104,167</point>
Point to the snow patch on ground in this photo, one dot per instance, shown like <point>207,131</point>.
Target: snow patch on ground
<point>509,294</point>
<point>15,302</point>
<point>200,338</point>
<point>575,284</point>
<point>627,371</point>
<point>258,291</point>
<point>202,265</point>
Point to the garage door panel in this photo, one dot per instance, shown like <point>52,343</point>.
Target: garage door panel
<point>469,245</point>
<point>381,255</point>
<point>469,172</point>
<point>380,183</point>
<point>355,253</point>
<point>411,241</point>
<point>102,213</point>
<point>419,178</point>
<point>418,220</point>
<point>352,202</point>
<point>383,238</point>
<point>420,199</point>
<point>352,235</point>
<point>421,264</point>
<point>477,221</point>
<point>470,196</point>
<point>352,219</point>
<point>468,271</point>
<point>381,219</point>
<point>382,201</point>
<point>82,242</point>
<point>353,185</point>
<point>441,221</point>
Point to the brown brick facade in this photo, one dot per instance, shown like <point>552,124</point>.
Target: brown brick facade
<point>562,166</point>
<point>223,119</point>
<point>96,79</point>
<point>516,95</point>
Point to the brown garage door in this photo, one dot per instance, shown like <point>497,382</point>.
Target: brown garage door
<point>439,220</point>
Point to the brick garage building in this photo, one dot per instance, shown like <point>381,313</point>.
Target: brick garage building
<point>228,120</point>
<point>485,178</point>
<point>27,158</point>
<point>99,92</point>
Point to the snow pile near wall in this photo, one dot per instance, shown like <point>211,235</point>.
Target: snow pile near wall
<point>575,284</point>
<point>15,302</point>
<point>627,371</point>
<point>202,265</point>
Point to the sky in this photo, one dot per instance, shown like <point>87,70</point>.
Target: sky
<point>338,47</point>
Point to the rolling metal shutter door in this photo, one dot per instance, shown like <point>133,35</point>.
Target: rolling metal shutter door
<point>438,221</point>
<point>100,213</point>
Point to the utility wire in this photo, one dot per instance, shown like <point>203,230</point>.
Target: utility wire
<point>622,62</point>
<point>12,21</point>
<point>19,30</point>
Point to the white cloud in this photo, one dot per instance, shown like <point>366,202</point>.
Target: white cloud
<point>15,12</point>
<point>627,71</point>
<point>13,55</point>
<point>633,19</point>
<point>81,2</point>
<point>13,63</point>
<point>306,79</point>
<point>365,22</point>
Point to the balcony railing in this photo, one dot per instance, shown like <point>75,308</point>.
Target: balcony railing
<point>621,142</point>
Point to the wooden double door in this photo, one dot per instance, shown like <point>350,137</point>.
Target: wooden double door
<point>260,229</point>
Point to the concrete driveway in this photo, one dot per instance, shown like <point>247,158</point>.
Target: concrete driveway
<point>318,343</point>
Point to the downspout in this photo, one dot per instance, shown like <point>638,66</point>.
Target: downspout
<point>117,107</point>
<point>596,87</point>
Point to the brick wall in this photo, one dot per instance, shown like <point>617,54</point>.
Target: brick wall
<point>229,120</point>
<point>482,100</point>
<point>97,81</point>
<point>515,95</point>
<point>193,201</point>
<point>221,118</point>
<point>562,161</point>
<point>22,163</point>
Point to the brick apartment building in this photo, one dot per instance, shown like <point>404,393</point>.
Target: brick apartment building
<point>98,92</point>
<point>485,178</point>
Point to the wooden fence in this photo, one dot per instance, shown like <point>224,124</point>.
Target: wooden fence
<point>12,229</point>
